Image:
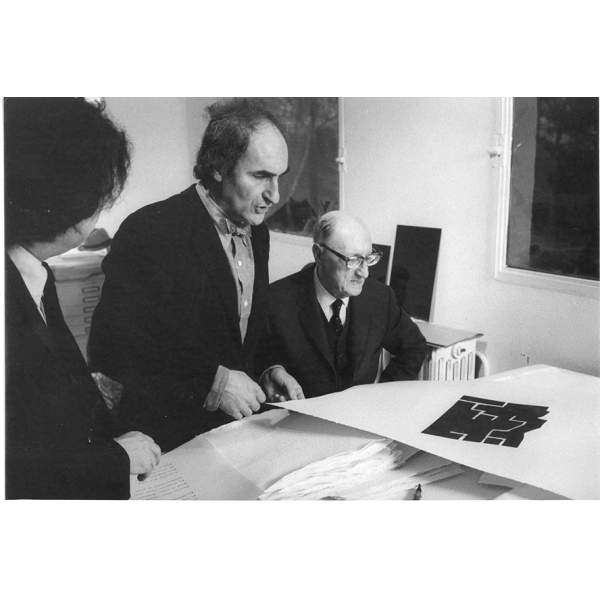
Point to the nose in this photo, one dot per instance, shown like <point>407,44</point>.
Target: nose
<point>363,270</point>
<point>271,193</point>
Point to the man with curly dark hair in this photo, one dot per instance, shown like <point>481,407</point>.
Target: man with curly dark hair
<point>64,162</point>
<point>183,306</point>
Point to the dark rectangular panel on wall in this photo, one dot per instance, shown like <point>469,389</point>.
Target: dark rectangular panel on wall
<point>413,268</point>
<point>379,271</point>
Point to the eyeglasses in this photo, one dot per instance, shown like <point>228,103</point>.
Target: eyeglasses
<point>353,262</point>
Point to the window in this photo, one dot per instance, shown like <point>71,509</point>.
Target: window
<point>312,186</point>
<point>548,225</point>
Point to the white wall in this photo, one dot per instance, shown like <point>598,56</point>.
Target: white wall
<point>424,162</point>
<point>410,161</point>
<point>160,166</point>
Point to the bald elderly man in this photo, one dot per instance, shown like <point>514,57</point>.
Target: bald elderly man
<point>328,323</point>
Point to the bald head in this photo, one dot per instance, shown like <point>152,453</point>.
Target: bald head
<point>338,233</point>
<point>338,226</point>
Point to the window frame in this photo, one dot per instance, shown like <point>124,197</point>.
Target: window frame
<point>501,153</point>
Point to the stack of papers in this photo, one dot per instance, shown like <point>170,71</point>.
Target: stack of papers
<point>517,490</point>
<point>539,427</point>
<point>380,470</point>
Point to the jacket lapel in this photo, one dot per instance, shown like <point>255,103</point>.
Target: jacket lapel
<point>311,318</point>
<point>260,249</point>
<point>209,251</point>
<point>360,324</point>
<point>21,307</point>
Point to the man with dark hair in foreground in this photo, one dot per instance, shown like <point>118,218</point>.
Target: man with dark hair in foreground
<point>183,306</point>
<point>64,162</point>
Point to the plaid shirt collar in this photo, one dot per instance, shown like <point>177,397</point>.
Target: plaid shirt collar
<point>223,223</point>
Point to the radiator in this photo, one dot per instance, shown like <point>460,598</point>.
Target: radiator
<point>452,363</point>
<point>79,280</point>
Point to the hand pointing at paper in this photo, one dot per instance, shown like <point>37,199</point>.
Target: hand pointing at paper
<point>143,453</point>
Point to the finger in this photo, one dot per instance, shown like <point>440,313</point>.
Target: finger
<point>149,470</point>
<point>299,392</point>
<point>155,448</point>
<point>246,410</point>
<point>145,465</point>
<point>236,414</point>
<point>153,458</point>
<point>291,388</point>
<point>259,394</point>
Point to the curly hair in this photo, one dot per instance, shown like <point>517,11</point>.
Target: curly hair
<point>226,138</point>
<point>65,160</point>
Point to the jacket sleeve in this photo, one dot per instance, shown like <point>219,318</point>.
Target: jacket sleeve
<point>96,471</point>
<point>51,453</point>
<point>132,337</point>
<point>404,342</point>
<point>268,352</point>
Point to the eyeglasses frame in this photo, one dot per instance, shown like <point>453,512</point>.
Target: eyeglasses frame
<point>347,259</point>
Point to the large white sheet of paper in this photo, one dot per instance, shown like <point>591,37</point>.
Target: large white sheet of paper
<point>527,492</point>
<point>194,471</point>
<point>562,455</point>
<point>268,446</point>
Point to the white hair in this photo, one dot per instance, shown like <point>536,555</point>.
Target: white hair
<point>330,222</point>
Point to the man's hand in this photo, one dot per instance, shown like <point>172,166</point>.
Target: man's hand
<point>279,385</point>
<point>143,453</point>
<point>242,396</point>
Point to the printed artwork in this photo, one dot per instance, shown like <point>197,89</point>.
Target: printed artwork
<point>474,419</point>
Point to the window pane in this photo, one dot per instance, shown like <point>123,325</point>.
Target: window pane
<point>311,187</point>
<point>553,218</point>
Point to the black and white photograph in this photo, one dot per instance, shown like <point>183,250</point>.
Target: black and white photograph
<point>190,312</point>
<point>260,298</point>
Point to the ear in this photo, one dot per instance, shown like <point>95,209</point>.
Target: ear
<point>217,176</point>
<point>316,252</point>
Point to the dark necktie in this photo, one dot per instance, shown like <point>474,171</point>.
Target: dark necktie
<point>62,338</point>
<point>54,318</point>
<point>336,322</point>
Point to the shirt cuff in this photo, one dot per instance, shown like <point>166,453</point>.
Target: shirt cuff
<point>213,399</point>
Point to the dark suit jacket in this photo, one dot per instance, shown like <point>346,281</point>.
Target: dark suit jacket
<point>58,439</point>
<point>297,338</point>
<point>168,317</point>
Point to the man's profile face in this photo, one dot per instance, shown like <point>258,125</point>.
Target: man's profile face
<point>339,280</point>
<point>253,185</point>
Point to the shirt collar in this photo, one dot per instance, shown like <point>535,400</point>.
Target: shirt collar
<point>32,271</point>
<point>324,298</point>
<point>224,225</point>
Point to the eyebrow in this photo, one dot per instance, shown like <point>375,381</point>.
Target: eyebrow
<point>269,173</point>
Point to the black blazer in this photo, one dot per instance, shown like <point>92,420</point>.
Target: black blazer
<point>297,338</point>
<point>58,436</point>
<point>168,317</point>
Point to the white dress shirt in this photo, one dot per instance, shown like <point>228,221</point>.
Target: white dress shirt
<point>238,250</point>
<point>325,300</point>
<point>32,272</point>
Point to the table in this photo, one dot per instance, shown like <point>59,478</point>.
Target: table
<point>238,461</point>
